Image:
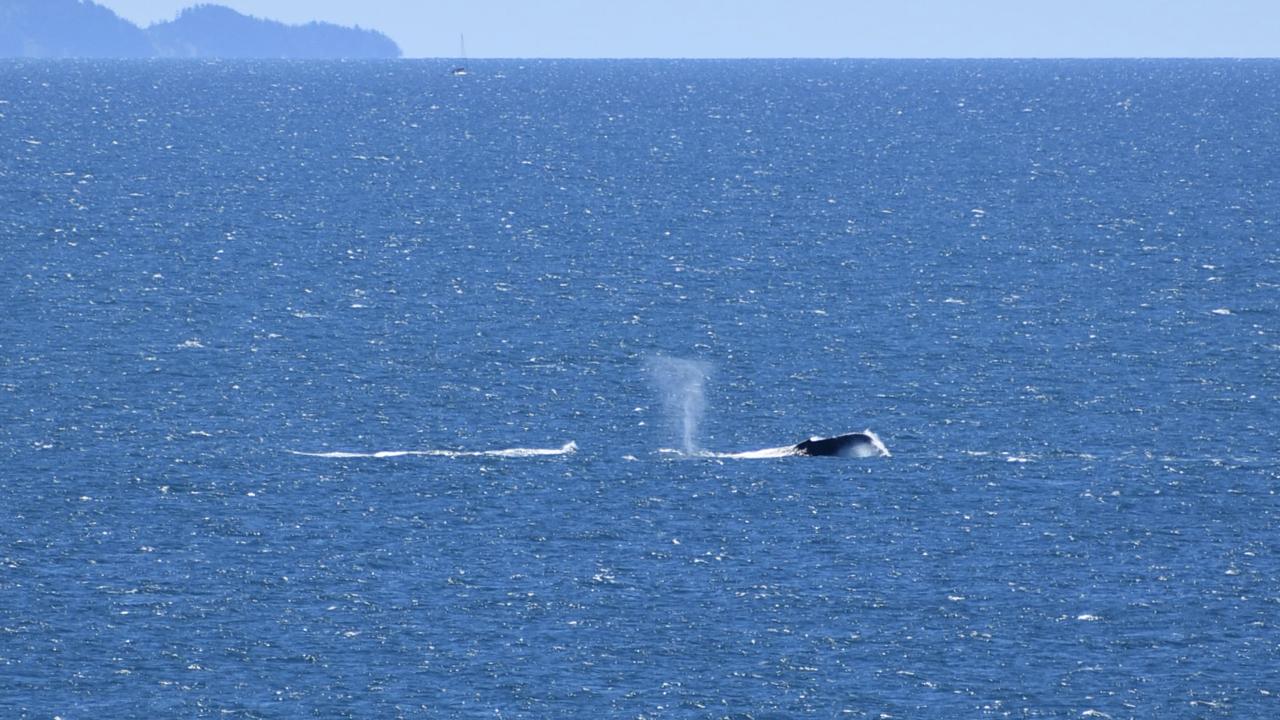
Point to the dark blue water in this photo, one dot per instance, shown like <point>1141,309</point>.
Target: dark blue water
<point>1052,288</point>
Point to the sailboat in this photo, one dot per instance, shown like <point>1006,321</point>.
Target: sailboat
<point>461,70</point>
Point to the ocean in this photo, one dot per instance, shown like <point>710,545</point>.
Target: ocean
<point>361,390</point>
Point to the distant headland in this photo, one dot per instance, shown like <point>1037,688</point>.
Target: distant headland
<point>84,29</point>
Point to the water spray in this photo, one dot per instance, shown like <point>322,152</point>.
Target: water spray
<point>680,384</point>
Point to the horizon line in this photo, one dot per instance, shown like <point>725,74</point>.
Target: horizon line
<point>726,58</point>
<point>454,58</point>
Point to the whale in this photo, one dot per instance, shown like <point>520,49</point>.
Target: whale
<point>850,445</point>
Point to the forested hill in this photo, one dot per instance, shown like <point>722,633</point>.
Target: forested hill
<point>216,31</point>
<point>84,29</point>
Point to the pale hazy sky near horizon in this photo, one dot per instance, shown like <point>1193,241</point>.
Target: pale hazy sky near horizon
<point>785,28</point>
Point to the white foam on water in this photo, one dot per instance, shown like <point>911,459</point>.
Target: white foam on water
<point>762,454</point>
<point>567,449</point>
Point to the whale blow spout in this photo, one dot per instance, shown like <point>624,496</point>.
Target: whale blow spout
<point>853,445</point>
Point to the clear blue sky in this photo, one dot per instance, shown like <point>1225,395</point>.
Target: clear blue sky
<point>787,28</point>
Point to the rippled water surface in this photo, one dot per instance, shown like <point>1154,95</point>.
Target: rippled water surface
<point>362,390</point>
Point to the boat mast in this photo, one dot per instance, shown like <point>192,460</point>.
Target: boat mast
<point>461,67</point>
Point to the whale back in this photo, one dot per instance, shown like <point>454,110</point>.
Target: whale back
<point>850,445</point>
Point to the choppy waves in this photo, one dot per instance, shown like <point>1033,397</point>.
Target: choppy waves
<point>567,449</point>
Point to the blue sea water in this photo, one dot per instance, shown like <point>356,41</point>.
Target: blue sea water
<point>281,344</point>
